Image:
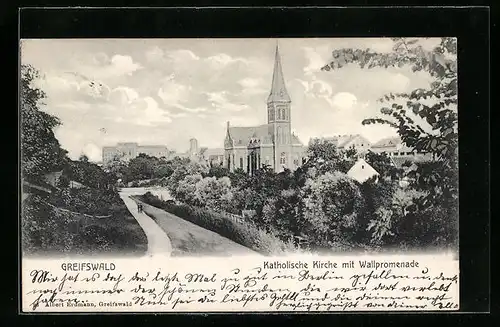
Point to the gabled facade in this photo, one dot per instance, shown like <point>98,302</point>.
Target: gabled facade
<point>272,144</point>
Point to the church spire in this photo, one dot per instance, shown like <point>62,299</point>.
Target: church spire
<point>278,89</point>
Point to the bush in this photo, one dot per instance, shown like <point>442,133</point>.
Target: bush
<point>331,205</point>
<point>244,233</point>
<point>50,229</point>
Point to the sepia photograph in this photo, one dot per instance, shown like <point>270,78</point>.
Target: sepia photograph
<point>227,147</point>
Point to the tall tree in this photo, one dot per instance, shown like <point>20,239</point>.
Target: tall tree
<point>425,119</point>
<point>41,152</point>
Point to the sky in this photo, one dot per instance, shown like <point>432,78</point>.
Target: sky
<point>166,91</point>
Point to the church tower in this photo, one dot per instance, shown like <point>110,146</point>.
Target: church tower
<point>279,116</point>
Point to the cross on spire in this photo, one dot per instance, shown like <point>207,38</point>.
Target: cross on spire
<point>278,89</point>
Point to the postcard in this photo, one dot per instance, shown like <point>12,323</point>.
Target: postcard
<point>239,175</point>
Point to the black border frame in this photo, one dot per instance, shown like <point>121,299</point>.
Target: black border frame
<point>470,24</point>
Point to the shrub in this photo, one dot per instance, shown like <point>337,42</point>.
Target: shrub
<point>331,205</point>
<point>214,193</point>
<point>50,229</point>
<point>244,233</point>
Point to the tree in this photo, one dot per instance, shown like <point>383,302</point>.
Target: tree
<point>218,171</point>
<point>323,156</point>
<point>381,162</point>
<point>88,173</point>
<point>41,152</point>
<point>185,189</point>
<point>183,170</point>
<point>423,126</point>
<point>214,193</point>
<point>331,205</point>
<point>116,168</point>
<point>283,215</point>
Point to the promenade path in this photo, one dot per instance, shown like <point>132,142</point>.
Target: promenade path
<point>185,238</point>
<point>158,241</point>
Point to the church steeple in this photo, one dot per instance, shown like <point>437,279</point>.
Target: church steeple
<point>278,89</point>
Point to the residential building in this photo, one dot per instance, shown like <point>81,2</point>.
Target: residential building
<point>362,171</point>
<point>399,152</point>
<point>350,141</point>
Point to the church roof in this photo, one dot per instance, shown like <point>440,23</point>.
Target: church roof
<point>241,136</point>
<point>278,89</point>
<point>214,152</point>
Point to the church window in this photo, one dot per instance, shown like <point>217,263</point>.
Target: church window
<point>271,113</point>
<point>241,163</point>
<point>283,158</point>
<point>296,162</point>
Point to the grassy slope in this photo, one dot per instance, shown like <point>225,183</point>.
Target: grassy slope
<point>58,233</point>
<point>189,239</point>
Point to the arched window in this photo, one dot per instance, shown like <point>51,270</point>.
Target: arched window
<point>241,163</point>
<point>283,158</point>
<point>271,113</point>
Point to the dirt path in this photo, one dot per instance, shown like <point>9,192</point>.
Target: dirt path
<point>158,241</point>
<point>188,239</point>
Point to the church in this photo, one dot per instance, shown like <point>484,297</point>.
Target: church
<point>272,144</point>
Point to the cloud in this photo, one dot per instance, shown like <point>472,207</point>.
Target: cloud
<point>398,82</point>
<point>315,60</point>
<point>182,55</point>
<point>123,95</point>
<point>122,65</point>
<point>221,103</point>
<point>249,82</point>
<point>92,151</point>
<point>155,54</point>
<point>172,93</point>
<point>222,60</point>
<point>344,100</point>
<point>189,109</point>
<point>100,66</point>
<point>191,88</point>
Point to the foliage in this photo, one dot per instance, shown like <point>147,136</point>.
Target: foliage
<point>217,171</point>
<point>89,201</point>
<point>186,190</point>
<point>324,157</point>
<point>332,203</point>
<point>181,171</point>
<point>88,173</point>
<point>282,214</point>
<point>381,162</point>
<point>40,150</point>
<point>47,229</point>
<point>214,193</point>
<point>422,126</point>
<point>244,233</point>
<point>427,121</point>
